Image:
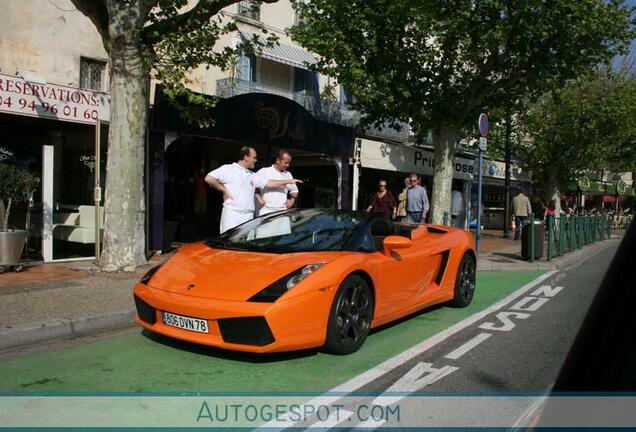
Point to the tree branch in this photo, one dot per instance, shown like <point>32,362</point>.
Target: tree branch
<point>189,21</point>
<point>97,12</point>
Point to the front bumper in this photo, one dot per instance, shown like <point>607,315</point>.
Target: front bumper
<point>286,325</point>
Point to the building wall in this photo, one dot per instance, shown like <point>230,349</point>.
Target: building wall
<point>51,42</point>
<point>275,18</point>
<point>38,36</point>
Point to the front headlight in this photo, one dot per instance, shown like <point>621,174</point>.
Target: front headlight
<point>280,287</point>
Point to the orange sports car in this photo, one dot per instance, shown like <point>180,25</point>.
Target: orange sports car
<point>305,278</point>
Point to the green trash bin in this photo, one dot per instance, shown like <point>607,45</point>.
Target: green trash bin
<point>539,237</point>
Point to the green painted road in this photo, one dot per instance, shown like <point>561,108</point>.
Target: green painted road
<point>141,362</point>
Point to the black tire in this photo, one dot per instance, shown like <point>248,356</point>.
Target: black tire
<point>465,281</point>
<point>350,316</point>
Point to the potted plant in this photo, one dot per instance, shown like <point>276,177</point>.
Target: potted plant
<point>16,185</point>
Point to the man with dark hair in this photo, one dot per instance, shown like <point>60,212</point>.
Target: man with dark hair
<point>277,198</point>
<point>416,201</point>
<point>237,183</point>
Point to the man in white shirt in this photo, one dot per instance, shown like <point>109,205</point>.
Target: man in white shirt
<point>237,184</point>
<point>277,198</point>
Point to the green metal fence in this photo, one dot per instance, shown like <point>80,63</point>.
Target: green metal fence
<point>568,233</point>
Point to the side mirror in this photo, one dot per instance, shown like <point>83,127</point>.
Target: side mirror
<point>396,242</point>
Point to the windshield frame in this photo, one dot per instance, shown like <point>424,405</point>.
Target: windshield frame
<point>352,241</point>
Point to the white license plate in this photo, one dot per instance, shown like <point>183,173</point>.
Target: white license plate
<point>185,323</point>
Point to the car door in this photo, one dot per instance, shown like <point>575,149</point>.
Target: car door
<point>407,276</point>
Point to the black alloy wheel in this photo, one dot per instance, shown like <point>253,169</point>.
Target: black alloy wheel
<point>465,281</point>
<point>350,316</point>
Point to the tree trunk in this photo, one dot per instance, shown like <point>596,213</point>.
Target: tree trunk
<point>4,214</point>
<point>552,191</point>
<point>444,141</point>
<point>124,202</point>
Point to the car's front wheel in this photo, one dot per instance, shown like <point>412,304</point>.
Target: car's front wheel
<point>350,316</point>
<point>465,281</point>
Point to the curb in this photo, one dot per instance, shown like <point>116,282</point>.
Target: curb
<point>34,333</point>
<point>556,263</point>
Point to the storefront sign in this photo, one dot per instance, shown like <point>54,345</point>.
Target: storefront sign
<point>497,169</point>
<point>269,118</point>
<point>5,154</point>
<point>88,161</point>
<point>390,157</point>
<point>18,96</point>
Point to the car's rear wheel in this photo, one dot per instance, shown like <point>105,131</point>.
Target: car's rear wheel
<point>350,316</point>
<point>465,281</point>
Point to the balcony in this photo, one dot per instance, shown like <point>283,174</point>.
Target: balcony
<point>322,109</point>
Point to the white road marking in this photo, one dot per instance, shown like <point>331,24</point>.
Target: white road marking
<point>534,304</point>
<point>455,354</point>
<point>420,376</point>
<point>507,323</point>
<point>372,374</point>
<point>547,291</point>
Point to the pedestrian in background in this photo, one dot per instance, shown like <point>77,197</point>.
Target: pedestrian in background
<point>401,209</point>
<point>416,201</point>
<point>521,210</point>
<point>383,202</point>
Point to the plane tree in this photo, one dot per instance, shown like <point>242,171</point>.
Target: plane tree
<point>584,127</point>
<point>438,63</point>
<point>168,38</point>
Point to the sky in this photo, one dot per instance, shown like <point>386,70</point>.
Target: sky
<point>633,49</point>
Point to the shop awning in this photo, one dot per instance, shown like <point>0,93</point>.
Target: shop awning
<point>282,53</point>
<point>594,188</point>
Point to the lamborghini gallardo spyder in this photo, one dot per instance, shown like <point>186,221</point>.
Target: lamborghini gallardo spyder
<point>305,278</point>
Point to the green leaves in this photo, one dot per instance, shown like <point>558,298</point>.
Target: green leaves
<point>588,125</point>
<point>441,62</point>
<point>16,183</point>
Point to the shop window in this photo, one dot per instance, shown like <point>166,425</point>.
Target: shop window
<point>92,74</point>
<point>250,9</point>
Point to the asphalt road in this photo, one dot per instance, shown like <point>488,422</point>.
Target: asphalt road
<point>516,353</point>
<point>516,347</point>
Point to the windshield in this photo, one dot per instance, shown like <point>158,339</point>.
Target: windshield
<point>293,231</point>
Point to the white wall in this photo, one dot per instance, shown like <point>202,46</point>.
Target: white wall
<point>37,36</point>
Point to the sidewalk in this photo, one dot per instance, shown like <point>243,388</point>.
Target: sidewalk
<point>67,300</point>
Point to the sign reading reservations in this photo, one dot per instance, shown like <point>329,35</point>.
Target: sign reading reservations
<point>18,96</point>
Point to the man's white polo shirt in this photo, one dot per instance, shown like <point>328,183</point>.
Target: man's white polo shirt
<point>240,183</point>
<point>276,197</point>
